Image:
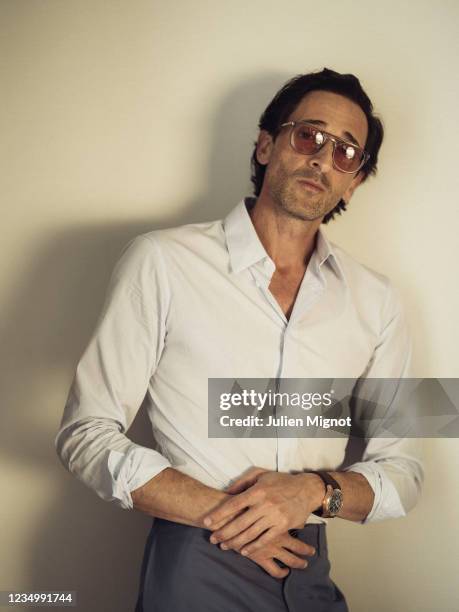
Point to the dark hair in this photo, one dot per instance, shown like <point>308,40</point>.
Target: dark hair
<point>287,99</point>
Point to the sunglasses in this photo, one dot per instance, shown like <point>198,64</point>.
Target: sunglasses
<point>308,139</point>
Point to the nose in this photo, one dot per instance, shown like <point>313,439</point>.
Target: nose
<point>323,159</point>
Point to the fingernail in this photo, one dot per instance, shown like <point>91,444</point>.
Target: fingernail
<point>305,564</point>
<point>224,546</point>
<point>213,539</point>
<point>313,551</point>
<point>207,522</point>
<point>244,552</point>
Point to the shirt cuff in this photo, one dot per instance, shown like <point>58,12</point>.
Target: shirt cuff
<point>387,503</point>
<point>131,470</point>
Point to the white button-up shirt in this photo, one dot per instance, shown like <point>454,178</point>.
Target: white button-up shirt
<point>191,303</point>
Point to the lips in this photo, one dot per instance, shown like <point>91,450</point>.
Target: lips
<point>312,185</point>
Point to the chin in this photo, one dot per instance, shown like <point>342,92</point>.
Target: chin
<point>303,214</point>
<point>306,210</point>
<point>298,206</point>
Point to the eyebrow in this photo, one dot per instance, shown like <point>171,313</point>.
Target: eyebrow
<point>347,135</point>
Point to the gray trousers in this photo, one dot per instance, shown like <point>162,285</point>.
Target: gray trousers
<point>183,572</point>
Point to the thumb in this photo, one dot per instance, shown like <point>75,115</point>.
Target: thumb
<point>245,481</point>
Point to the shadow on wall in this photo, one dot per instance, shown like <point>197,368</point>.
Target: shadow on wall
<point>78,542</point>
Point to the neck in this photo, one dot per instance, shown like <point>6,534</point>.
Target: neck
<point>288,240</point>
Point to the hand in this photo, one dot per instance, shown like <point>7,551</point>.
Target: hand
<point>245,481</point>
<point>283,549</point>
<point>273,503</point>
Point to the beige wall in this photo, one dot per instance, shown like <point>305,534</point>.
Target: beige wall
<point>118,117</point>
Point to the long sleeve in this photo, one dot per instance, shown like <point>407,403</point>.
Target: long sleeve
<point>392,466</point>
<point>112,378</point>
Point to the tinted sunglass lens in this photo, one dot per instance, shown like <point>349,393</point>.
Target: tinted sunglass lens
<point>347,157</point>
<point>306,139</point>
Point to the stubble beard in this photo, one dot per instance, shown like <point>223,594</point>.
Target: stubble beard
<point>285,193</point>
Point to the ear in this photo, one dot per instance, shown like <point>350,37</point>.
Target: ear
<point>265,146</point>
<point>353,186</point>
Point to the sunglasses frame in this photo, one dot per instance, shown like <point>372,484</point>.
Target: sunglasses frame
<point>327,136</point>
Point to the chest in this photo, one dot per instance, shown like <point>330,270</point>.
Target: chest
<point>285,288</point>
<point>231,328</point>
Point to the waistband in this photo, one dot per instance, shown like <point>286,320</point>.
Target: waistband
<point>312,533</point>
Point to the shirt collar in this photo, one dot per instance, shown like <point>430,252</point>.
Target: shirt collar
<point>326,253</point>
<point>245,248</point>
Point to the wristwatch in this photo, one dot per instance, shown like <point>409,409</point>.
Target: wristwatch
<point>333,500</point>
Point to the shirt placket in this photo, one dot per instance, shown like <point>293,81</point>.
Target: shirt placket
<point>312,285</point>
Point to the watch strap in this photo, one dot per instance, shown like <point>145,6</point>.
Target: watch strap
<point>328,480</point>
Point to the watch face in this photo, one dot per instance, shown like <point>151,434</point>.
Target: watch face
<point>336,502</point>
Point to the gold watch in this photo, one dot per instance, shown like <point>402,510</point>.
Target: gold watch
<point>333,500</point>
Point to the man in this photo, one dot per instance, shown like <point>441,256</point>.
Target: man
<point>261,294</point>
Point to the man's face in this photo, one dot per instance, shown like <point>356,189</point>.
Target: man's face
<point>287,171</point>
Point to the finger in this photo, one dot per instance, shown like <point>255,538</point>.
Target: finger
<point>249,535</point>
<point>271,567</point>
<point>225,521</point>
<point>291,560</point>
<point>236,526</point>
<point>297,546</point>
<point>227,509</point>
<point>267,538</point>
<point>240,485</point>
